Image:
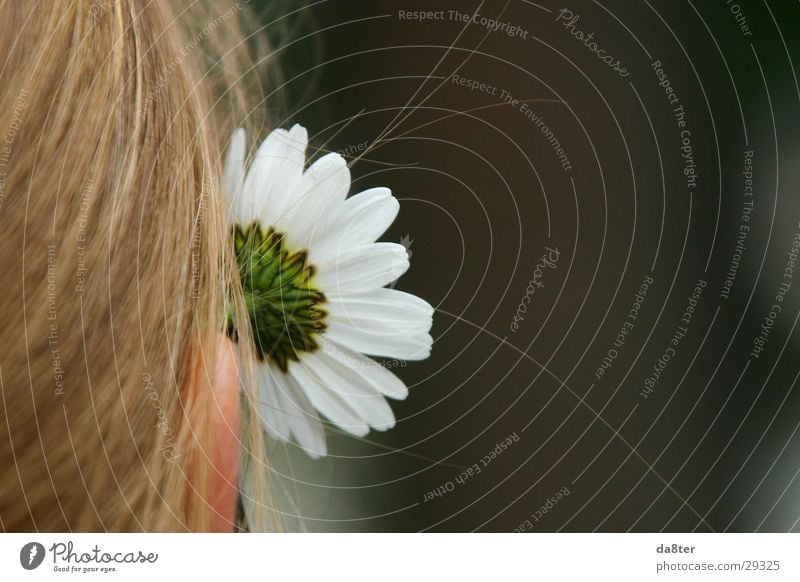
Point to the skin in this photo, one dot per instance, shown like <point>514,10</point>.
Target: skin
<point>226,455</point>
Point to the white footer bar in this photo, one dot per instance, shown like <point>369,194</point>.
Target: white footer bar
<point>390,557</point>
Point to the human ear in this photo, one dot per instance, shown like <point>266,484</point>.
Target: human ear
<point>226,450</point>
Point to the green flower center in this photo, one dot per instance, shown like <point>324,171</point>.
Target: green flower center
<point>283,306</point>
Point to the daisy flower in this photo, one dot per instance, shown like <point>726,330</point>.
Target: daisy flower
<point>314,281</point>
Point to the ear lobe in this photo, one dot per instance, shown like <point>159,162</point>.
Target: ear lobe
<point>226,454</point>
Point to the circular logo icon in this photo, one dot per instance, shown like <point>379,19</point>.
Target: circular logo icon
<point>31,555</point>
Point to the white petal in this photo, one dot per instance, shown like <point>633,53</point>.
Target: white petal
<point>345,381</point>
<point>381,379</point>
<point>332,405</point>
<point>381,343</point>
<point>317,201</point>
<point>305,423</point>
<point>385,327</point>
<point>234,169</point>
<point>381,309</point>
<point>274,175</point>
<point>362,268</point>
<point>363,218</point>
<point>273,412</point>
<point>287,412</point>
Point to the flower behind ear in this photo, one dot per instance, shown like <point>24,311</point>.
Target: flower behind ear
<point>313,277</point>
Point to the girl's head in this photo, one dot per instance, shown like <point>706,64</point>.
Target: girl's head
<point>120,403</point>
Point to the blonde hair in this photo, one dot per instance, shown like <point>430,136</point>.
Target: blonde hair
<point>115,259</point>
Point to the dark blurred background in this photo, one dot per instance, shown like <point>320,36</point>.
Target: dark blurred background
<point>593,163</point>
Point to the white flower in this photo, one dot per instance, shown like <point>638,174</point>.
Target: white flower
<point>314,282</point>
